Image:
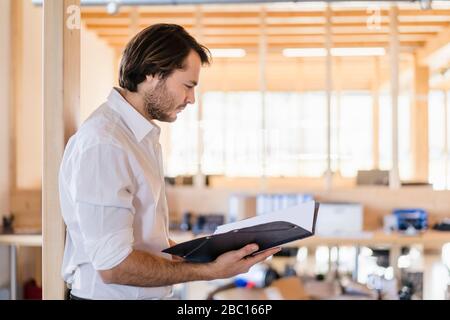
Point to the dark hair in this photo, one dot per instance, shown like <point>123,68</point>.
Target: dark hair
<point>157,50</point>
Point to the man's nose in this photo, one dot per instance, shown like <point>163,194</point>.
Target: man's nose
<point>191,97</point>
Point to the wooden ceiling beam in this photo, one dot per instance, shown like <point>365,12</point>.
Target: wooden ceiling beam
<point>104,31</point>
<point>436,51</point>
<point>121,42</point>
<point>270,14</point>
<point>362,38</point>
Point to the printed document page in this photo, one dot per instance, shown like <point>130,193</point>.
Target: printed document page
<point>301,215</point>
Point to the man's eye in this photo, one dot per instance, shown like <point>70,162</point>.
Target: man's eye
<point>189,87</point>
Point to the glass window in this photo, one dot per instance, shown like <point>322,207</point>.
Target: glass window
<point>385,134</point>
<point>352,133</point>
<point>295,137</point>
<point>296,134</point>
<point>183,152</point>
<point>438,144</point>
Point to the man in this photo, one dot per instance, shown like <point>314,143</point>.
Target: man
<point>112,184</point>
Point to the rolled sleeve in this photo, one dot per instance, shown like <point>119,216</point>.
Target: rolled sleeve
<point>103,191</point>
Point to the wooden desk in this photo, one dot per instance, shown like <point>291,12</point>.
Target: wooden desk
<point>14,241</point>
<point>429,239</point>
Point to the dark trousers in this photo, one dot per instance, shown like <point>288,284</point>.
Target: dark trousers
<point>72,297</point>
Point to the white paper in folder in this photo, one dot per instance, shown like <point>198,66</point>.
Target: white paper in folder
<point>301,215</point>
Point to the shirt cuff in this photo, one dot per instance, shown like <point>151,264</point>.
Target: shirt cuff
<point>111,250</point>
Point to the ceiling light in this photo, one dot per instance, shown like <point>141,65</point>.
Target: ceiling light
<point>304,52</point>
<point>425,4</point>
<point>112,7</point>
<point>336,52</point>
<point>353,52</point>
<point>228,53</point>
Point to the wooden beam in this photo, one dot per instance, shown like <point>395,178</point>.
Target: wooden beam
<point>61,70</point>
<point>133,27</point>
<point>446,139</point>
<point>262,77</point>
<point>376,81</point>
<point>5,107</point>
<point>296,41</point>
<point>285,31</point>
<point>394,178</point>
<point>436,50</point>
<point>16,85</point>
<point>329,39</point>
<point>199,179</point>
<point>419,121</point>
<point>276,48</point>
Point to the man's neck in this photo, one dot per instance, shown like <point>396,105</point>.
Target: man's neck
<point>135,100</point>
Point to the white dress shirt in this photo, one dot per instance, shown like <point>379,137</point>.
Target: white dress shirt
<point>113,200</point>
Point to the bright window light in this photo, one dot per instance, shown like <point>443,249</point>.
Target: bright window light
<point>228,53</point>
<point>404,261</point>
<point>304,52</point>
<point>446,255</point>
<point>351,52</point>
<point>337,52</point>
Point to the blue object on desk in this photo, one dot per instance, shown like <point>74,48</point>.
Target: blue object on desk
<point>417,218</point>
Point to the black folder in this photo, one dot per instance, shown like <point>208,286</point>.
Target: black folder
<point>266,235</point>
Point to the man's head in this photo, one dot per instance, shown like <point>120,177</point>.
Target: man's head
<point>162,64</point>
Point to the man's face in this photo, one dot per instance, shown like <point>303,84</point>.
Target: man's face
<point>164,99</point>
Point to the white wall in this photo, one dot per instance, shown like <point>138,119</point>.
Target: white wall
<point>4,127</point>
<point>97,72</point>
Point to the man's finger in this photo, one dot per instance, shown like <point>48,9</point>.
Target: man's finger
<point>247,250</point>
<point>262,256</point>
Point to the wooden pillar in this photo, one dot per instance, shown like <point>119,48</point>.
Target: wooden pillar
<point>376,113</point>
<point>133,28</point>
<point>61,93</point>
<point>419,121</point>
<point>300,89</point>
<point>262,89</point>
<point>117,58</point>
<point>338,88</point>
<point>446,140</point>
<point>200,181</point>
<point>5,108</point>
<point>16,86</point>
<point>394,46</point>
<point>329,90</point>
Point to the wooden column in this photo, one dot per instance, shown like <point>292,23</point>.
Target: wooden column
<point>133,28</point>
<point>394,46</point>
<point>16,86</point>
<point>262,59</point>
<point>61,93</point>
<point>117,58</point>
<point>338,87</point>
<point>376,113</point>
<point>5,108</point>
<point>446,140</point>
<point>199,181</point>
<point>329,90</point>
<point>419,121</point>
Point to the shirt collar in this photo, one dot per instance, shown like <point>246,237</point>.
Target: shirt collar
<point>139,125</point>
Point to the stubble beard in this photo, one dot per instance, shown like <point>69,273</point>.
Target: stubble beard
<point>159,103</point>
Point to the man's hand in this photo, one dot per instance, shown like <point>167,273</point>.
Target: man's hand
<point>144,269</point>
<point>239,261</point>
<point>175,258</point>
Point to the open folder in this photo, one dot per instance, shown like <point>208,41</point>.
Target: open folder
<point>268,231</point>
